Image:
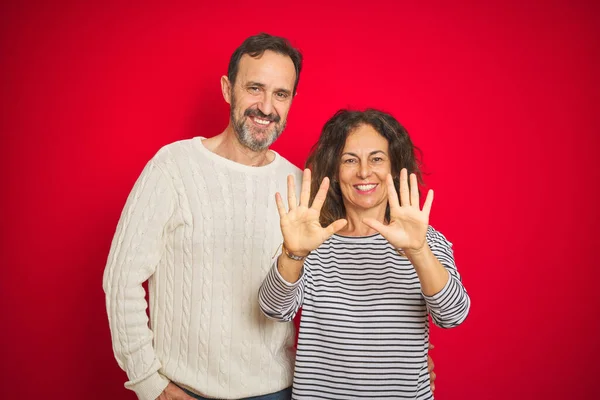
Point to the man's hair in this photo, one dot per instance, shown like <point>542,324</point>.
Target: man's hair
<point>256,45</point>
<point>325,156</point>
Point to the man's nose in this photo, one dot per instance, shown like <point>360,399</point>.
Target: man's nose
<point>266,104</point>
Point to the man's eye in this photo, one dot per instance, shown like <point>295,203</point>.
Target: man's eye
<point>377,159</point>
<point>253,89</point>
<point>281,95</point>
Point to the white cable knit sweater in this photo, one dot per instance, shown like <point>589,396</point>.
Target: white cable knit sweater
<point>203,230</point>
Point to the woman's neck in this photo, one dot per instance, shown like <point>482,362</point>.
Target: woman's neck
<point>356,226</point>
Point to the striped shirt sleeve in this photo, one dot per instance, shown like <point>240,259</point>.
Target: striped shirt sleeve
<point>450,306</point>
<point>279,299</point>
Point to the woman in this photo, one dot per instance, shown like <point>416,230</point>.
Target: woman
<point>361,260</point>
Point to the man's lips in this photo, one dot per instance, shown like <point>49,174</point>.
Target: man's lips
<point>260,121</point>
<point>260,118</point>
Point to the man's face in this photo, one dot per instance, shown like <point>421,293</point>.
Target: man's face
<point>261,98</point>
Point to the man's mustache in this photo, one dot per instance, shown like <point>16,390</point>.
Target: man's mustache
<point>257,113</point>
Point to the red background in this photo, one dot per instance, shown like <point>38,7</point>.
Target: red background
<point>502,98</point>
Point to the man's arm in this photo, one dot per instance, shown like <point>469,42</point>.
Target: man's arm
<point>136,249</point>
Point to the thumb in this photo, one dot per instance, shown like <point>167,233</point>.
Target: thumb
<point>373,223</point>
<point>335,226</point>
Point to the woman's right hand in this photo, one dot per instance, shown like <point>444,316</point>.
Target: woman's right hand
<point>300,226</point>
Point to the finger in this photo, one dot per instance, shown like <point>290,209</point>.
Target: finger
<point>291,187</point>
<point>432,377</point>
<point>414,191</point>
<point>430,364</point>
<point>428,203</point>
<point>404,192</point>
<point>280,205</point>
<point>392,194</point>
<point>431,346</point>
<point>305,190</point>
<point>373,223</point>
<point>321,195</point>
<point>335,226</point>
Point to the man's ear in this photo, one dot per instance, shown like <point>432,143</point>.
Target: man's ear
<point>226,89</point>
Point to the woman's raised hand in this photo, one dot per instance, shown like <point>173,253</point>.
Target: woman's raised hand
<point>408,224</point>
<point>300,226</point>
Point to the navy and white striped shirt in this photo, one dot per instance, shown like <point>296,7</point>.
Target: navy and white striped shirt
<point>364,330</point>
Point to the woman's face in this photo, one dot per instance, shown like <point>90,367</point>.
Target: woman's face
<point>364,165</point>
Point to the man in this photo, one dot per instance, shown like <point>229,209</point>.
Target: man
<point>201,225</point>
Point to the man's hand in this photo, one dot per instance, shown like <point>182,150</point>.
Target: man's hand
<point>430,367</point>
<point>172,392</point>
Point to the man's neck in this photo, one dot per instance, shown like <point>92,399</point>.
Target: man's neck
<point>227,145</point>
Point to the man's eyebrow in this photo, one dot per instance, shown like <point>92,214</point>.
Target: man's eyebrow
<point>248,84</point>
<point>283,90</point>
<point>262,86</point>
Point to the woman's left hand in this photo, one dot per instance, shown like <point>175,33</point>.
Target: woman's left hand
<point>408,224</point>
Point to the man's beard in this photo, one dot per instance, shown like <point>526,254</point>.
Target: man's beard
<point>248,134</point>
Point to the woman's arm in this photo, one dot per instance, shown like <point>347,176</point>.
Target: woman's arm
<point>443,291</point>
<point>429,252</point>
<point>279,298</point>
<point>281,293</point>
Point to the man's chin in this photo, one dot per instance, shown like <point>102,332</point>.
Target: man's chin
<point>263,138</point>
<point>255,145</point>
<point>256,139</point>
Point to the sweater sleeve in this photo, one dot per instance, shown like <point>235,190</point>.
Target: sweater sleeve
<point>279,299</point>
<point>136,249</point>
<point>450,306</point>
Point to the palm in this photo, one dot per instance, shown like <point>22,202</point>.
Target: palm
<point>408,224</point>
<point>300,226</point>
<point>407,227</point>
